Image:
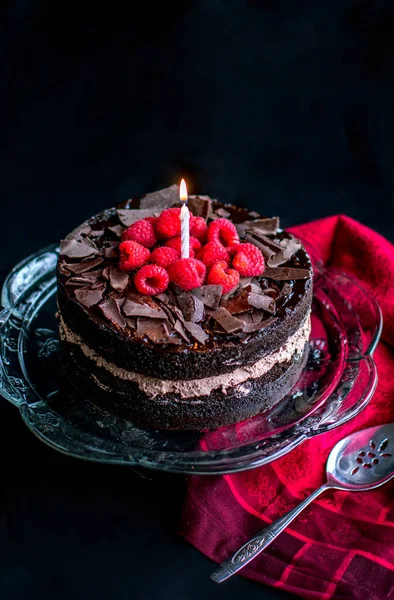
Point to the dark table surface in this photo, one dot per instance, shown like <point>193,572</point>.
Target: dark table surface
<point>284,107</point>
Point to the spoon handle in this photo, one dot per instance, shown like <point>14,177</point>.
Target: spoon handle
<point>260,541</point>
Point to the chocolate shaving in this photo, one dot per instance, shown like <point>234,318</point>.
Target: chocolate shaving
<point>179,328</point>
<point>275,253</point>
<point>267,248</point>
<point>262,302</point>
<point>92,275</point>
<point>285,291</point>
<point>177,290</point>
<point>237,305</point>
<point>82,267</point>
<point>246,317</point>
<point>111,252</point>
<point>286,273</point>
<point>231,293</point>
<point>80,232</point>
<point>200,206</point>
<point>222,212</point>
<point>209,295</point>
<point>244,281</point>
<point>131,322</point>
<point>96,233</point>
<point>161,199</point>
<point>118,279</point>
<point>90,243</point>
<point>258,315</point>
<point>129,216</point>
<point>191,307</point>
<point>77,282</point>
<point>276,246</point>
<point>80,281</point>
<point>197,332</point>
<point>116,230</point>
<point>133,309</point>
<point>250,327</point>
<point>178,314</point>
<point>95,285</point>
<point>74,249</point>
<point>156,331</point>
<point>163,297</point>
<point>111,311</point>
<point>213,216</point>
<point>105,273</point>
<point>171,318</point>
<point>120,302</point>
<point>289,248</point>
<point>88,296</point>
<point>254,287</point>
<point>229,323</point>
<point>260,226</point>
<point>63,268</point>
<point>174,339</point>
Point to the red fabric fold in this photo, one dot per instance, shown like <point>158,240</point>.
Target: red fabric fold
<point>342,545</point>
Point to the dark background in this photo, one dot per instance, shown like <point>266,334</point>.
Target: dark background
<point>287,107</point>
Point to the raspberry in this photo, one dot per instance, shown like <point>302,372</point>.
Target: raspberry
<point>212,252</point>
<point>187,273</point>
<point>168,224</point>
<point>151,280</point>
<point>176,243</point>
<point>224,232</point>
<point>151,220</point>
<point>222,275</point>
<point>142,232</point>
<point>198,228</point>
<point>248,261</point>
<point>164,256</point>
<point>132,255</point>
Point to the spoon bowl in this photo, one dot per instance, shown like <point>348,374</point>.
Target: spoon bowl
<point>362,461</point>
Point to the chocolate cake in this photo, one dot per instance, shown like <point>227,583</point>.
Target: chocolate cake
<point>182,358</point>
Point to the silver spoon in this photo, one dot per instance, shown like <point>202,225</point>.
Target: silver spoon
<point>362,461</point>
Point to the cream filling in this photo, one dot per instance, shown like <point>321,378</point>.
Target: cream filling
<point>197,387</point>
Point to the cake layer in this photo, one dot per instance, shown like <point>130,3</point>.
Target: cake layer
<point>155,387</point>
<point>126,400</point>
<point>177,404</point>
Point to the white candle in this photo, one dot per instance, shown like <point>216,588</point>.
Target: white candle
<point>185,221</point>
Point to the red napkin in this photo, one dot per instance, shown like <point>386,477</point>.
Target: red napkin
<point>342,545</point>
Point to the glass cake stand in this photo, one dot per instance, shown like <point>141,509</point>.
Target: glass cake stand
<point>336,384</point>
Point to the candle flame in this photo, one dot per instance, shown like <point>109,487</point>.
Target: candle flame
<point>183,192</point>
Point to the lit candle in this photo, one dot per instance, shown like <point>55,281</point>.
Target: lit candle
<point>185,218</point>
